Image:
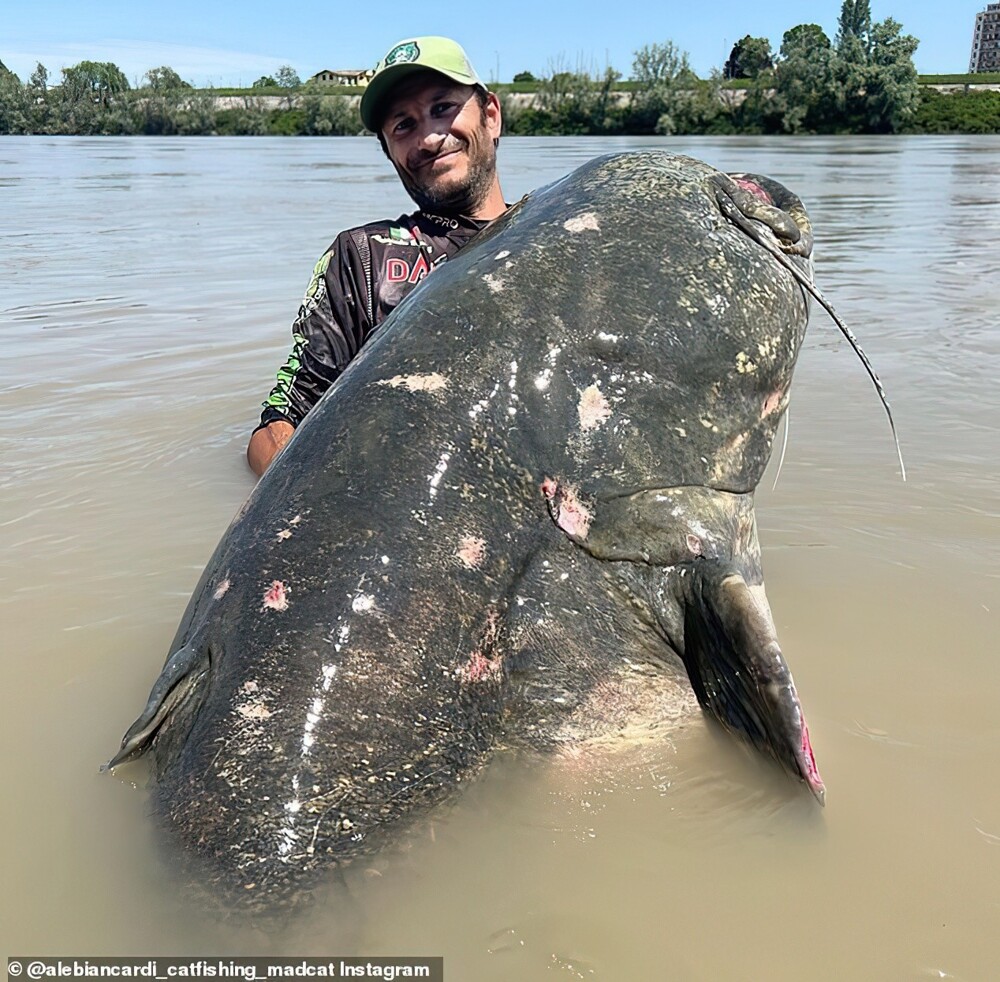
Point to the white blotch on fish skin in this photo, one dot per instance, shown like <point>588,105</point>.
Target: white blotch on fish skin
<point>430,382</point>
<point>483,403</point>
<point>435,478</point>
<point>254,711</point>
<point>512,384</point>
<point>582,223</point>
<point>221,589</point>
<point>543,379</point>
<point>744,365</point>
<point>471,551</point>
<point>608,337</point>
<point>363,603</point>
<point>385,560</point>
<point>503,254</point>
<point>717,305</point>
<point>593,408</point>
<point>342,636</point>
<point>768,347</point>
<point>553,354</point>
<point>288,836</point>
<point>493,282</point>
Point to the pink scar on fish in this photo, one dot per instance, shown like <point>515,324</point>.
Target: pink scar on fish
<point>694,545</point>
<point>480,667</point>
<point>220,590</point>
<point>472,552</point>
<point>755,189</point>
<point>566,509</point>
<point>276,598</point>
<point>812,771</point>
<point>771,403</point>
<point>593,408</point>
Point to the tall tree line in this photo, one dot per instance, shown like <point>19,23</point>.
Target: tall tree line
<point>863,81</point>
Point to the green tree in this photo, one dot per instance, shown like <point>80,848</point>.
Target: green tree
<point>329,115</point>
<point>664,78</point>
<point>524,77</point>
<point>39,80</point>
<point>38,100</point>
<point>750,56</point>
<point>265,82</point>
<point>879,89</point>
<point>14,117</point>
<point>100,81</point>
<point>164,79</point>
<point>287,77</point>
<point>805,91</point>
<point>575,103</point>
<point>854,24</point>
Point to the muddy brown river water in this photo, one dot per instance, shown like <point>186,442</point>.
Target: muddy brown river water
<point>146,289</point>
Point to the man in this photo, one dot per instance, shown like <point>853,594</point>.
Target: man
<point>439,126</point>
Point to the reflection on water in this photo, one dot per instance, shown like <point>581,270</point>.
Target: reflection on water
<point>147,290</point>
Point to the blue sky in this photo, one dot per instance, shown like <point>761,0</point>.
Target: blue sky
<point>209,42</point>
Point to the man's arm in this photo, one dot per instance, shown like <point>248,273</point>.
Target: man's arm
<point>331,325</point>
<point>265,444</point>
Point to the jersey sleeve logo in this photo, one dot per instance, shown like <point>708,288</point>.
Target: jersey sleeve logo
<point>317,285</point>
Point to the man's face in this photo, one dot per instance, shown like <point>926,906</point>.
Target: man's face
<point>440,141</point>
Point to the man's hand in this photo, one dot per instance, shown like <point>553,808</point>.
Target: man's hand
<point>265,444</point>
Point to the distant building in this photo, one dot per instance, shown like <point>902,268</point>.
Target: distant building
<point>986,41</point>
<point>348,76</point>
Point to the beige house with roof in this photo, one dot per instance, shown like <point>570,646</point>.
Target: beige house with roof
<point>343,76</point>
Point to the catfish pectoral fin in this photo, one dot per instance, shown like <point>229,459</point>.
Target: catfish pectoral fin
<point>733,660</point>
<point>183,670</point>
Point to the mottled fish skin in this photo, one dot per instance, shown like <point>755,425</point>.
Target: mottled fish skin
<point>479,535</point>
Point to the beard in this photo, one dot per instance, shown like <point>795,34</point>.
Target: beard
<point>457,197</point>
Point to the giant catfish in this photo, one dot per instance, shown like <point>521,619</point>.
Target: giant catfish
<point>523,512</point>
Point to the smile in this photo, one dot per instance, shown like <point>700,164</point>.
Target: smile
<point>434,160</point>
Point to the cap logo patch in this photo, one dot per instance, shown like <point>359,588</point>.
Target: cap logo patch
<point>402,54</point>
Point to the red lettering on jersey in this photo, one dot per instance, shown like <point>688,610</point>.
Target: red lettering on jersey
<point>397,270</point>
<point>420,269</point>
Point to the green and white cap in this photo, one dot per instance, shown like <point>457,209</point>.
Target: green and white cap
<point>412,55</point>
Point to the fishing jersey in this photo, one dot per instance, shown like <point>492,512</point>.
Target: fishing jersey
<point>356,284</point>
